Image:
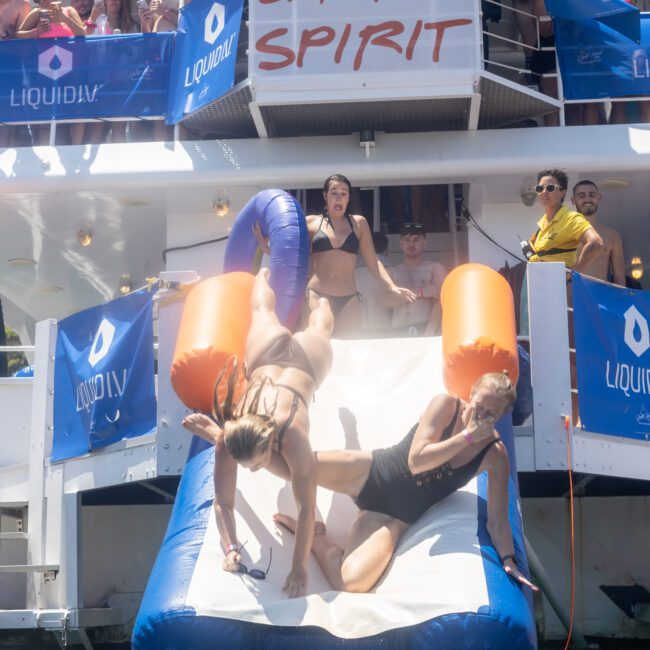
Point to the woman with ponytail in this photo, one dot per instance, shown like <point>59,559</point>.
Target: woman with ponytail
<point>268,427</point>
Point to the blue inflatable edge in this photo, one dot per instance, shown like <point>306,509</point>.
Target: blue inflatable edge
<point>282,220</point>
<point>165,621</point>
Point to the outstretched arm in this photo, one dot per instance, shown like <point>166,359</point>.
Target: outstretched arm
<point>301,462</point>
<point>225,483</point>
<point>367,250</point>
<point>498,524</point>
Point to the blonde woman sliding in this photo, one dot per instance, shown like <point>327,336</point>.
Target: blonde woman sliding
<point>453,442</point>
<point>269,426</point>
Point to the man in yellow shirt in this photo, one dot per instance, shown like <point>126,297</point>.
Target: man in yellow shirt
<point>561,231</point>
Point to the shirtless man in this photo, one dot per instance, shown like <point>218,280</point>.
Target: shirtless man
<point>586,199</point>
<point>12,14</point>
<point>424,278</point>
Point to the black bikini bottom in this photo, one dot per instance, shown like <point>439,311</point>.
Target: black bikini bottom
<point>337,303</point>
<point>285,352</point>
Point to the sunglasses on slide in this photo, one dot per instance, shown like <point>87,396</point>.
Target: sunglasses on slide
<point>256,573</point>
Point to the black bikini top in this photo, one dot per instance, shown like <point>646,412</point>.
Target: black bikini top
<point>321,242</point>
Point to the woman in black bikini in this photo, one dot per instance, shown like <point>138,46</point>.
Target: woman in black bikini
<point>269,425</point>
<point>336,238</point>
<point>453,442</point>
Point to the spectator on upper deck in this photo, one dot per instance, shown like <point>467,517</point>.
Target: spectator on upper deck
<point>167,20</point>
<point>527,28</point>
<point>111,15</point>
<point>424,278</point>
<point>12,14</point>
<point>543,63</point>
<point>610,263</point>
<point>561,231</point>
<point>51,20</point>
<point>83,8</point>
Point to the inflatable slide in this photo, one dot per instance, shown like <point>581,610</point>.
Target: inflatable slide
<point>445,587</point>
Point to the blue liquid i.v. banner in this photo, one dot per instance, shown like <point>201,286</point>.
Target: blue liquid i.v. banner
<point>598,62</point>
<point>76,78</point>
<point>613,358</point>
<point>205,52</point>
<point>104,376</point>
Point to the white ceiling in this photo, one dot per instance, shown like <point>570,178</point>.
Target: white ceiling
<point>138,199</point>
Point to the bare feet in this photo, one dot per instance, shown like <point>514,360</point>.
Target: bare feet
<point>290,524</point>
<point>202,426</point>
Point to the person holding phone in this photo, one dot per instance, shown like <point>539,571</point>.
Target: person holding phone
<point>110,15</point>
<point>51,20</point>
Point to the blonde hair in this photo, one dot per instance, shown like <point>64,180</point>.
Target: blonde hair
<point>498,383</point>
<point>246,433</point>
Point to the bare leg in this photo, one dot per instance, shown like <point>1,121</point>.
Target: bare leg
<point>315,339</point>
<point>77,133</point>
<point>6,136</point>
<point>265,326</point>
<point>548,85</point>
<point>644,111</point>
<point>373,539</point>
<point>345,471</point>
<point>617,115</point>
<point>348,320</point>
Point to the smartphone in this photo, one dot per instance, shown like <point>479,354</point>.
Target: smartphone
<point>44,16</point>
<point>142,5</point>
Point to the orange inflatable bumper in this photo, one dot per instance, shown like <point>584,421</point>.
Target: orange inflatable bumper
<point>214,326</point>
<point>478,327</point>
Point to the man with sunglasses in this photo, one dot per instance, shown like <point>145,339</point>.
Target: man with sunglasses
<point>562,234</point>
<point>424,278</point>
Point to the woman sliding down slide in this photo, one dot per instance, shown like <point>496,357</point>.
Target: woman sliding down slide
<point>269,426</point>
<point>453,442</point>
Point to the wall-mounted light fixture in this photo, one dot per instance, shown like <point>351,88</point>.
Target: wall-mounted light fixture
<point>221,205</point>
<point>367,140</point>
<point>85,236</point>
<point>126,286</point>
<point>636,268</point>
<point>528,196</point>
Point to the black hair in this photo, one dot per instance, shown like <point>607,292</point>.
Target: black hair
<point>561,176</point>
<point>584,182</point>
<point>336,178</point>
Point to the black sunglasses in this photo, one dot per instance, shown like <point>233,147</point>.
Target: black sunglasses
<point>551,187</point>
<point>256,573</point>
<point>412,228</point>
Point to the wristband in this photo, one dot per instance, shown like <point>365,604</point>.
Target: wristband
<point>509,556</point>
<point>89,24</point>
<point>468,436</point>
<point>421,292</point>
<point>232,547</point>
